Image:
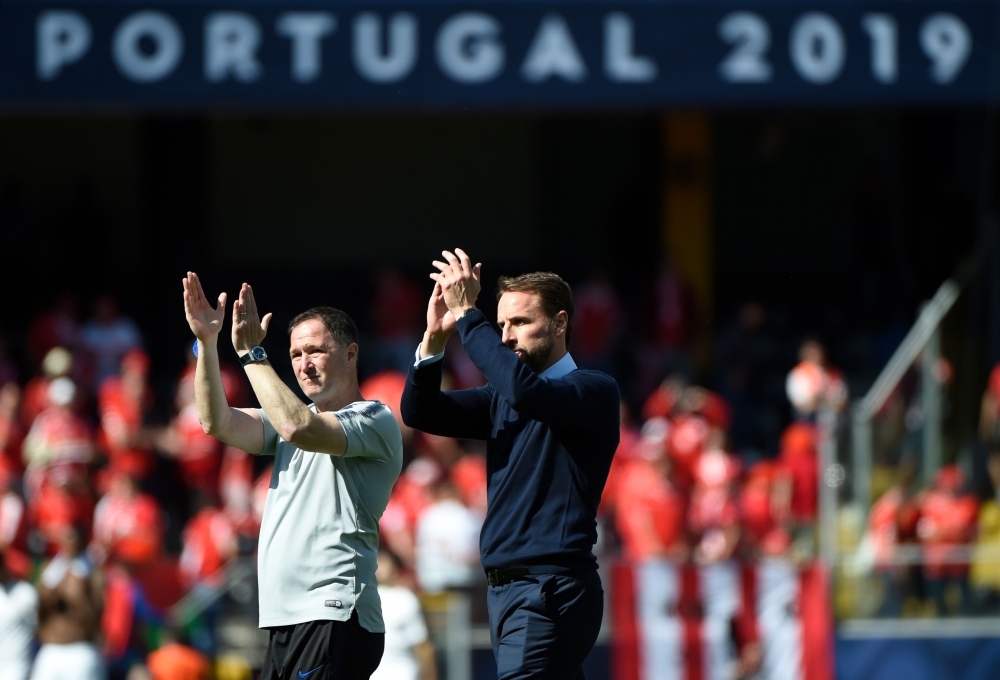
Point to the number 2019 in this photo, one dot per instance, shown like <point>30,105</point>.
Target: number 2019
<point>818,49</point>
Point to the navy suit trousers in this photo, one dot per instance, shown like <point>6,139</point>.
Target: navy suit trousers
<point>544,625</point>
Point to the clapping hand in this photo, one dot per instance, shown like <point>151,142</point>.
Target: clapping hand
<point>205,321</point>
<point>458,280</point>
<point>248,328</point>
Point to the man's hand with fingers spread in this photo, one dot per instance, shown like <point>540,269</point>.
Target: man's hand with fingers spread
<point>248,328</point>
<point>205,321</point>
<point>440,324</point>
<point>458,280</point>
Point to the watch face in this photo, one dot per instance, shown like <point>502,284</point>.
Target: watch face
<point>258,353</point>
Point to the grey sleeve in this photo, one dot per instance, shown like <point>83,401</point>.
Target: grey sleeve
<point>270,436</point>
<point>372,432</point>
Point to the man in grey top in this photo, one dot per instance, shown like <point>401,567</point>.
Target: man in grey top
<point>336,461</point>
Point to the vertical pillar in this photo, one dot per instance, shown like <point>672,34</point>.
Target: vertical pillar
<point>930,396</point>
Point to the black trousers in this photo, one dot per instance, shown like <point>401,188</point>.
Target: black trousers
<point>544,626</point>
<point>322,650</point>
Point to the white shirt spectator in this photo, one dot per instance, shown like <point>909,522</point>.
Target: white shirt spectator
<point>18,626</point>
<point>447,546</point>
<point>404,630</point>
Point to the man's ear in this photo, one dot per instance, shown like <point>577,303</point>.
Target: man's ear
<point>560,322</point>
<point>352,352</point>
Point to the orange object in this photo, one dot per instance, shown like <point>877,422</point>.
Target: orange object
<point>174,661</point>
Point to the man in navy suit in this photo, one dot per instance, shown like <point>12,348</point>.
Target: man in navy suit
<point>551,431</point>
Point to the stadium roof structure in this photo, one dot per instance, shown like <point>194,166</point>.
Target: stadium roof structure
<point>506,54</point>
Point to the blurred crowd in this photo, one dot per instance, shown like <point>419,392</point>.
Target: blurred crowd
<point>127,514</point>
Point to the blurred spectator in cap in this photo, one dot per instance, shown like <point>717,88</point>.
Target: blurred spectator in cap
<point>813,383</point>
<point>128,522</point>
<point>123,400</point>
<point>651,509</point>
<point>762,512</point>
<point>57,326</point>
<point>58,433</point>
<point>598,323</point>
<point>18,622</point>
<point>947,524</point>
<point>58,363</point>
<point>70,602</point>
<point>447,542</point>
<point>798,487</point>
<point>107,336</point>
<point>11,430</point>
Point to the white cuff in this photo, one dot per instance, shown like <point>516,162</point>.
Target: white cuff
<point>418,362</point>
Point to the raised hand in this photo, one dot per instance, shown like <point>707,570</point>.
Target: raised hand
<point>248,328</point>
<point>204,319</point>
<point>458,280</point>
<point>439,320</point>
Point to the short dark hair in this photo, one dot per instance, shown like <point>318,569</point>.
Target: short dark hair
<point>554,292</point>
<point>339,323</point>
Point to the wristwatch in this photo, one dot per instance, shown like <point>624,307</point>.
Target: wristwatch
<point>255,354</point>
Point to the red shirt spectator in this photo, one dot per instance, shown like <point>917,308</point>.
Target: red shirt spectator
<point>713,516</point>
<point>63,499</point>
<point>685,442</point>
<point>58,433</point>
<point>58,363</point>
<point>122,402</point>
<point>651,511</point>
<point>760,513</point>
<point>128,522</point>
<point>800,458</point>
<point>209,541</point>
<point>947,522</point>
<point>198,454</point>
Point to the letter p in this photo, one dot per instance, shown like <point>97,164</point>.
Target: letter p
<point>62,38</point>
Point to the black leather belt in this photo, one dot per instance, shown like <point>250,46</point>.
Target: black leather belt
<point>500,577</point>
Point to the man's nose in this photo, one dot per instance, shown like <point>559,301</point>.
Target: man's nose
<point>506,336</point>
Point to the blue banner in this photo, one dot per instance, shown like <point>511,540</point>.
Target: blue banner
<point>506,55</point>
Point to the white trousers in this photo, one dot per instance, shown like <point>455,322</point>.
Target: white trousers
<point>73,661</point>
